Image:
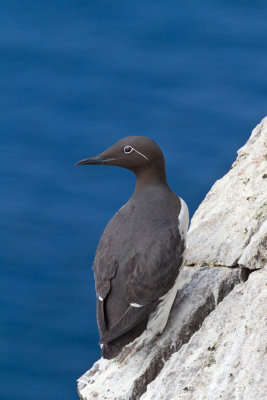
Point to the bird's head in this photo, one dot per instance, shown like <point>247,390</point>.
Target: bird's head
<point>136,153</point>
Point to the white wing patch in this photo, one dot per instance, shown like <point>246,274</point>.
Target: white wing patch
<point>136,305</point>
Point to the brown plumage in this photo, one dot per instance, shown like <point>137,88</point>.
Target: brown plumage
<point>141,250</point>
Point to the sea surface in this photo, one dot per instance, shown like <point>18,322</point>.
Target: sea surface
<point>76,76</point>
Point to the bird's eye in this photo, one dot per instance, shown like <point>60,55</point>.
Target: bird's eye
<point>128,149</point>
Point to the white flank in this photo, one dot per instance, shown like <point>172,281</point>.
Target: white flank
<point>183,220</point>
<point>158,319</point>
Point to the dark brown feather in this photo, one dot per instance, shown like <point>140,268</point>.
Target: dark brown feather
<point>139,270</point>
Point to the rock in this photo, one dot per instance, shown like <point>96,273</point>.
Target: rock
<point>207,351</point>
<point>226,358</point>
<point>255,253</point>
<point>227,229</point>
<point>201,288</point>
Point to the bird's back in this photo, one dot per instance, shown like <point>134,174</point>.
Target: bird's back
<point>143,234</point>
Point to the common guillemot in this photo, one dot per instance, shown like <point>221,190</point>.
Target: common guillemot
<point>141,250</point>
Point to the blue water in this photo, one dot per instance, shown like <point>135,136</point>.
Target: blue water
<point>76,76</point>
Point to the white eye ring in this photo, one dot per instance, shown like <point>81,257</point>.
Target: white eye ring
<point>128,149</point>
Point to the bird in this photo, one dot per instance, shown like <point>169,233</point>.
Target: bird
<point>141,250</point>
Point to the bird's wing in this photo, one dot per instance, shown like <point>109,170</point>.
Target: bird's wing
<point>154,275</point>
<point>132,317</point>
<point>105,268</point>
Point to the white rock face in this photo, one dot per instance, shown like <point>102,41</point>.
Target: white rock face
<point>227,227</point>
<point>213,345</point>
<point>200,289</point>
<point>226,359</point>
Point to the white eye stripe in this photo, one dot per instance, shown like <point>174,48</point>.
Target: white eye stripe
<point>129,149</point>
<point>141,154</point>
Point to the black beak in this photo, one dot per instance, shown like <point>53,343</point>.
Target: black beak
<point>97,160</point>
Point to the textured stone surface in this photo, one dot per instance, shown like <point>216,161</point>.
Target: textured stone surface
<point>201,288</point>
<point>227,229</point>
<point>226,358</point>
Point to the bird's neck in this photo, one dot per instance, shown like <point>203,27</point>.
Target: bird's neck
<point>149,177</point>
